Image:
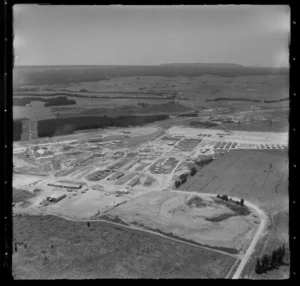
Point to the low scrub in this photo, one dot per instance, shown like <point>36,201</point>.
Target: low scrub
<point>233,99</point>
<point>204,162</point>
<point>203,124</point>
<point>234,206</point>
<point>220,217</point>
<point>55,101</point>
<point>196,202</point>
<point>20,195</point>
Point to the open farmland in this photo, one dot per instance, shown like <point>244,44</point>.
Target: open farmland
<point>231,129</point>
<point>173,95</point>
<point>72,250</point>
<point>262,178</point>
<point>21,195</point>
<point>136,183</point>
<point>258,176</point>
<point>72,75</point>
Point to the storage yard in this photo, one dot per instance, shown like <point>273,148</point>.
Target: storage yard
<point>159,157</point>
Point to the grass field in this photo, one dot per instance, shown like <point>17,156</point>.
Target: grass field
<point>276,236</point>
<point>20,195</point>
<point>257,176</point>
<point>74,250</point>
<point>260,177</point>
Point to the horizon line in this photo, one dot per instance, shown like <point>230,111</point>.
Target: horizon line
<point>155,65</point>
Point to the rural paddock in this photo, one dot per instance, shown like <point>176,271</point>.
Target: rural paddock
<point>258,176</point>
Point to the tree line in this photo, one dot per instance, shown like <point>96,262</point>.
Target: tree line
<point>183,177</point>
<point>51,127</point>
<point>227,199</point>
<point>270,262</point>
<point>55,101</point>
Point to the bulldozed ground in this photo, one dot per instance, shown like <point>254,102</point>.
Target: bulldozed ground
<point>209,223</point>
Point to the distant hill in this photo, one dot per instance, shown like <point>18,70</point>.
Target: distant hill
<point>42,75</point>
<point>204,65</point>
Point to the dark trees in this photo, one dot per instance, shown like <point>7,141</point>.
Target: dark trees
<point>193,171</point>
<point>242,202</point>
<point>177,183</point>
<point>258,266</point>
<point>225,197</point>
<point>265,262</point>
<point>269,262</point>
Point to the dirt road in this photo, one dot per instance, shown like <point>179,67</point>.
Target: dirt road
<point>255,239</point>
<point>253,243</point>
<point>243,259</point>
<point>143,230</point>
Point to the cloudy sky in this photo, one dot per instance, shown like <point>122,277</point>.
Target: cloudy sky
<point>150,35</point>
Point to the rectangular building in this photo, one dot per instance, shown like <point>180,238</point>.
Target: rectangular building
<point>67,184</point>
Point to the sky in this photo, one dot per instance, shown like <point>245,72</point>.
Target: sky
<point>151,35</point>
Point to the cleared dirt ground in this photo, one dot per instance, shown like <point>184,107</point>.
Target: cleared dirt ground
<point>72,250</point>
<point>208,223</point>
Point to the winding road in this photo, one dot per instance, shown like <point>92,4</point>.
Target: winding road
<point>250,250</point>
<point>243,260</point>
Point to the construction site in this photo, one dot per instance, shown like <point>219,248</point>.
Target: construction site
<point>83,177</point>
<point>114,162</point>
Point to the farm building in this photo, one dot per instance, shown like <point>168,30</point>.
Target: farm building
<point>67,184</point>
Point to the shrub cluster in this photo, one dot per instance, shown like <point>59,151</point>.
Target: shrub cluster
<point>204,162</point>
<point>183,177</point>
<point>227,199</point>
<point>236,206</point>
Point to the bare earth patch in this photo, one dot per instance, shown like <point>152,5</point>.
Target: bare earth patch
<point>174,213</point>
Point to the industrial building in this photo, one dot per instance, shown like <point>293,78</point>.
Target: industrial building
<point>67,184</point>
<point>55,199</point>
